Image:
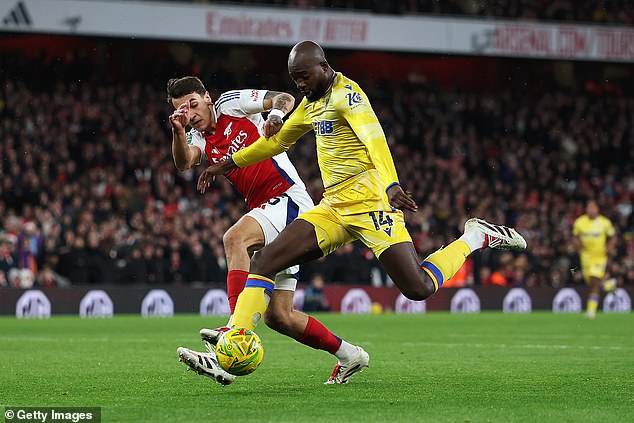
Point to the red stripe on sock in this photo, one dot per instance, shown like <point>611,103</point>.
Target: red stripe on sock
<point>236,279</point>
<point>318,336</point>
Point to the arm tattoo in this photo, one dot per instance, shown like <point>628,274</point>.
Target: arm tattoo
<point>281,101</point>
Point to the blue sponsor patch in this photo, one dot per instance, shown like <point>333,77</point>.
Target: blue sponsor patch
<point>353,98</point>
<point>323,127</point>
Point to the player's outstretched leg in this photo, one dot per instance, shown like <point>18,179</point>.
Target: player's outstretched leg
<point>296,244</point>
<point>419,281</point>
<point>239,243</point>
<point>205,364</point>
<point>283,318</point>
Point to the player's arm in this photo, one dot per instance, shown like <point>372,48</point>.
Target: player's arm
<point>185,155</point>
<point>280,104</point>
<point>576,242</point>
<point>576,238</point>
<point>367,128</point>
<point>264,148</point>
<point>611,241</point>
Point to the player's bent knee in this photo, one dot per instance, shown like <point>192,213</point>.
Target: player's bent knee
<point>232,239</point>
<point>259,264</point>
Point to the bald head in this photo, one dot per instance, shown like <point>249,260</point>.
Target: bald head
<point>306,53</point>
<point>309,69</point>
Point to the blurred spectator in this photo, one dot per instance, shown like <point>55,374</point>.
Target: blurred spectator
<point>314,298</point>
<point>8,260</point>
<point>78,199</point>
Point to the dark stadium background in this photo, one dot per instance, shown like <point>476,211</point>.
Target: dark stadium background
<point>89,195</point>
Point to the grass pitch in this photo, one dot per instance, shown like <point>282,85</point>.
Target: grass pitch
<point>433,367</point>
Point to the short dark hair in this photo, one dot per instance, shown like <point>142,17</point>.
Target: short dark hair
<point>179,87</point>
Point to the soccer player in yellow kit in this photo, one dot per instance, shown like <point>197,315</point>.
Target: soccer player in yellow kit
<point>594,237</point>
<point>362,198</point>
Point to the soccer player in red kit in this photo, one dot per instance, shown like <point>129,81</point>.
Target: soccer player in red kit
<point>275,196</point>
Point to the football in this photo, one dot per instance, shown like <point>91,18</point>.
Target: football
<point>239,351</point>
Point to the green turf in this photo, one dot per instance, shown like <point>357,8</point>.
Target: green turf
<point>436,367</point>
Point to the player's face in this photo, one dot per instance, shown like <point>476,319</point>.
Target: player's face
<point>312,81</point>
<point>200,116</point>
<point>592,209</point>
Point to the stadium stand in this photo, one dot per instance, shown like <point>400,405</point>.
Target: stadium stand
<point>89,192</point>
<point>603,12</point>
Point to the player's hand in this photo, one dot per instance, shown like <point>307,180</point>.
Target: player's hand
<point>180,118</point>
<point>400,200</point>
<point>272,125</point>
<point>207,177</point>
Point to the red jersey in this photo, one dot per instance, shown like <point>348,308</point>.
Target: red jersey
<point>239,123</point>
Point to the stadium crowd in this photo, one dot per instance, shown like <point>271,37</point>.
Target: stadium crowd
<point>605,11</point>
<point>89,192</point>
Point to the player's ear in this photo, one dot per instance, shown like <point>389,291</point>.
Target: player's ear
<point>207,99</point>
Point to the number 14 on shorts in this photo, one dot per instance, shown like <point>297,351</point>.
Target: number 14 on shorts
<point>382,222</point>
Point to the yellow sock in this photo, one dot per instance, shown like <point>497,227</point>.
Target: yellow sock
<point>593,304</point>
<point>444,263</point>
<point>252,302</point>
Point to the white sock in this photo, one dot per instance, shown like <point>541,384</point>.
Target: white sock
<point>230,320</point>
<point>474,239</point>
<point>346,352</point>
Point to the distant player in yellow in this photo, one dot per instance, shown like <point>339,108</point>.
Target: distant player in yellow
<point>594,237</point>
<point>361,201</point>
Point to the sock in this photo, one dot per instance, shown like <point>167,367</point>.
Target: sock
<point>253,301</point>
<point>236,279</point>
<point>346,351</point>
<point>474,239</point>
<point>444,263</point>
<point>317,336</point>
<point>593,304</point>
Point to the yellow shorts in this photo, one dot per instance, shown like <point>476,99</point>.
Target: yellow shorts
<point>593,267</point>
<point>378,230</point>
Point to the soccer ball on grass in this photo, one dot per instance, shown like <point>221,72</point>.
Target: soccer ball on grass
<point>239,351</point>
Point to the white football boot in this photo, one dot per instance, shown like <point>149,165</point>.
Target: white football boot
<point>343,371</point>
<point>205,364</point>
<point>497,237</point>
<point>213,335</point>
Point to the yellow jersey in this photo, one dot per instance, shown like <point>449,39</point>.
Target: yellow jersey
<point>593,234</point>
<point>351,144</point>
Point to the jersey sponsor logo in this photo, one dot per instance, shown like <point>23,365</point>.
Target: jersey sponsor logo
<point>238,142</point>
<point>348,86</point>
<point>354,98</point>
<point>254,95</point>
<point>323,127</point>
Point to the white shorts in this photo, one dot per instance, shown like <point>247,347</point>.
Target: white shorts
<point>273,216</point>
